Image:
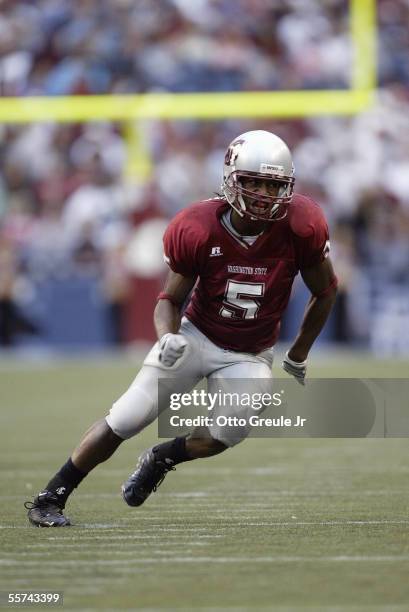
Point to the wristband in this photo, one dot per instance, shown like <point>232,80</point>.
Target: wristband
<point>296,364</point>
<point>166,296</point>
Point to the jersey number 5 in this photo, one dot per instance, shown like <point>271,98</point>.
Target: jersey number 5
<point>238,302</point>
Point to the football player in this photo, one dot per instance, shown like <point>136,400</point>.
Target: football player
<point>240,253</point>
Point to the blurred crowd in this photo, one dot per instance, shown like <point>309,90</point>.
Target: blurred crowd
<point>60,47</point>
<point>70,207</point>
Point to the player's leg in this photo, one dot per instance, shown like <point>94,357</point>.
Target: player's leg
<point>228,371</point>
<point>136,409</point>
<point>156,462</point>
<point>97,445</point>
<point>249,377</point>
<point>200,445</point>
<point>240,372</point>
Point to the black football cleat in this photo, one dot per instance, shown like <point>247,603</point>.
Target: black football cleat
<point>147,477</point>
<point>46,511</point>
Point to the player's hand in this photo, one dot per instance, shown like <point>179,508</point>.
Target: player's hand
<point>171,348</point>
<point>298,369</point>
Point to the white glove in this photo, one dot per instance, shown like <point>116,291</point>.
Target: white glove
<point>298,369</point>
<point>171,348</point>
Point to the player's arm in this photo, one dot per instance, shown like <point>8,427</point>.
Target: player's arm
<point>321,281</point>
<point>181,251</point>
<point>167,317</point>
<point>167,312</point>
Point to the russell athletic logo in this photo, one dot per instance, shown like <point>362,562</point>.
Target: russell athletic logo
<point>216,251</point>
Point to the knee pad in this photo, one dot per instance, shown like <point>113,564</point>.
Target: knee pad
<point>132,412</point>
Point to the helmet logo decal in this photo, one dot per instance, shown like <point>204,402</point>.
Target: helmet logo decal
<point>271,169</point>
<point>232,152</point>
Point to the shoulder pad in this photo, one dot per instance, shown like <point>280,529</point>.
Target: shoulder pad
<point>305,217</point>
<point>197,219</point>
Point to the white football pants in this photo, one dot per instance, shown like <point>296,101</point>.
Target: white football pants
<point>139,405</point>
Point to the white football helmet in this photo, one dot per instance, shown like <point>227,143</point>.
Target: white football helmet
<point>263,160</point>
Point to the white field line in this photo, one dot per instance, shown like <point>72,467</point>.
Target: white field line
<point>296,491</point>
<point>213,518</point>
<point>155,527</point>
<point>322,523</point>
<point>61,573</point>
<point>212,496</point>
<point>216,518</point>
<point>113,544</point>
<point>210,560</point>
<point>107,527</point>
<point>60,576</point>
<point>141,539</point>
<point>209,471</point>
<point>228,508</point>
<point>262,471</point>
<point>213,525</point>
<point>114,554</point>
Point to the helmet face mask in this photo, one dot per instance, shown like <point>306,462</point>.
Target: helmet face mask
<point>258,177</point>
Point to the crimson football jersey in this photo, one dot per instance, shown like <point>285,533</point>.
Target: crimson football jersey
<point>242,291</point>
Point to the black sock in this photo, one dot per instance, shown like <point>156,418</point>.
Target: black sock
<point>65,481</point>
<point>175,450</point>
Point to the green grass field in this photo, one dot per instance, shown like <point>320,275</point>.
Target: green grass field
<point>286,525</point>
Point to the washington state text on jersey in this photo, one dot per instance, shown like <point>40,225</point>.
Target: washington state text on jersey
<point>246,270</point>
